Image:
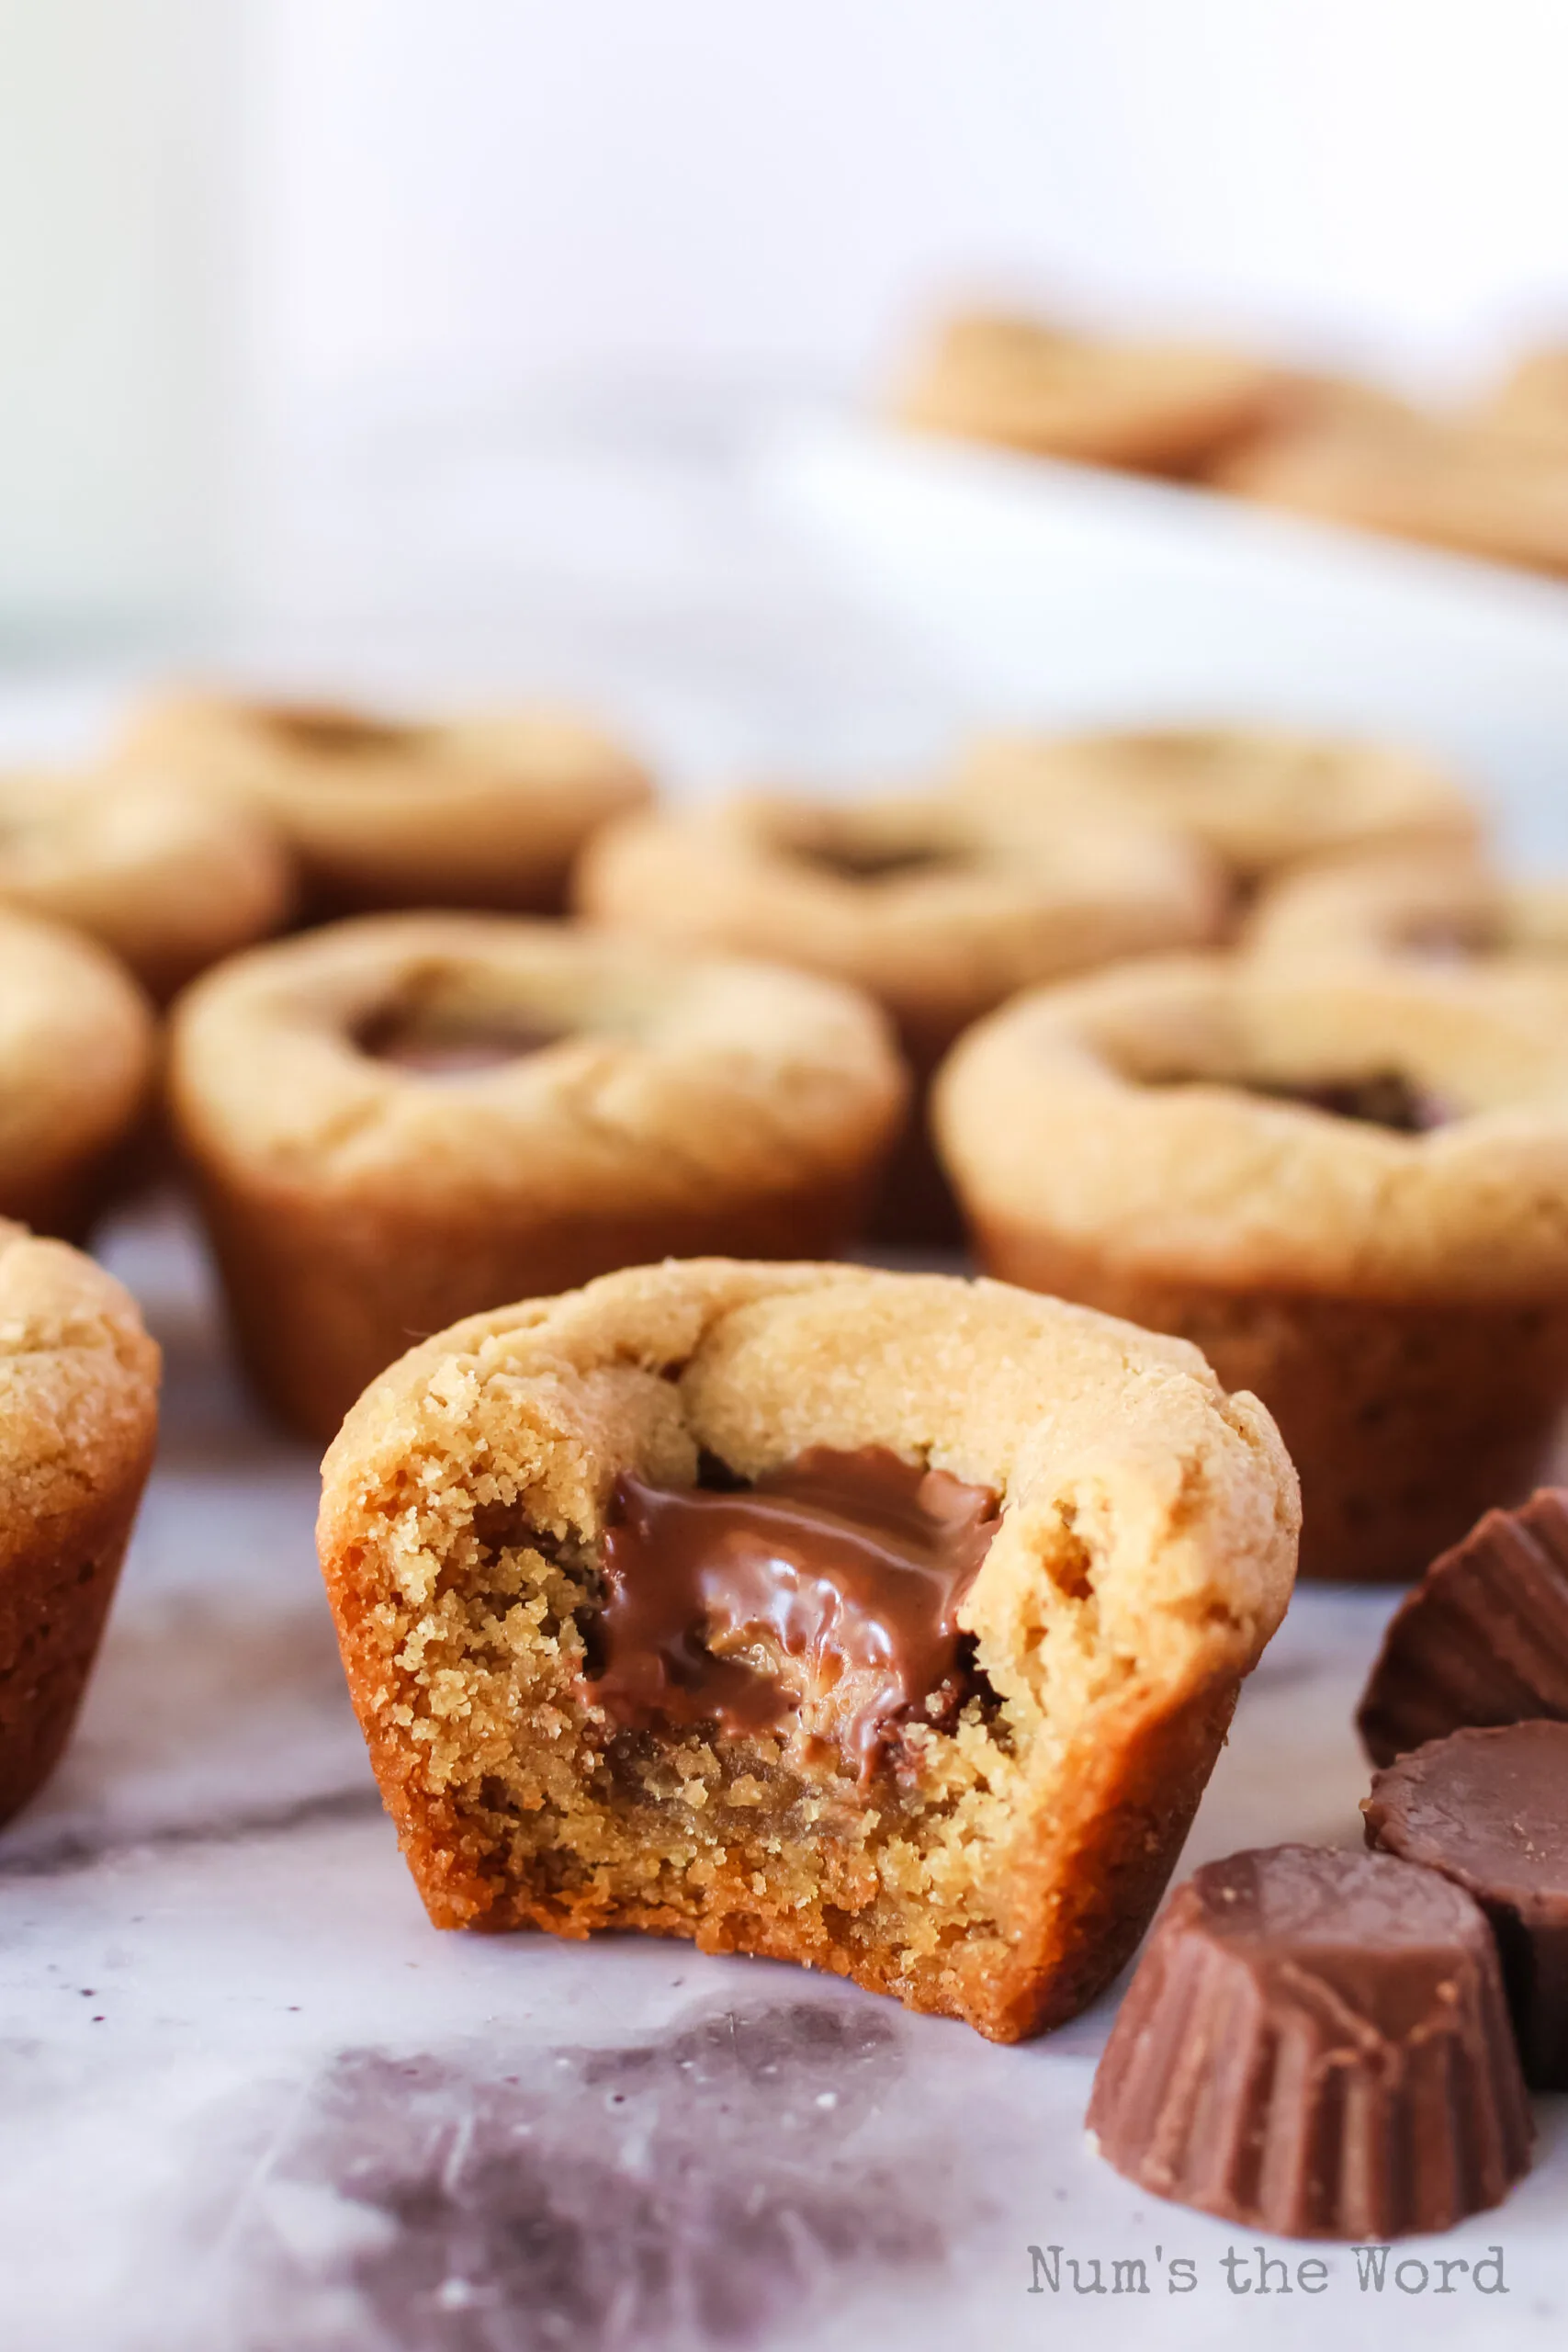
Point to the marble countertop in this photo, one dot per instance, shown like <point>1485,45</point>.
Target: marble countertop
<point>255,2104</point>
<point>255,2101</point>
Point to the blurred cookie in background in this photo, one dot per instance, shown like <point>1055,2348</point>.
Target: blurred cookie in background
<point>1531,401</point>
<point>1259,799</point>
<point>1431,905</point>
<point>167,876</point>
<point>1446,481</point>
<point>403,1119</point>
<point>484,811</point>
<point>78,1051</point>
<point>1151,406</point>
<point>936,907</point>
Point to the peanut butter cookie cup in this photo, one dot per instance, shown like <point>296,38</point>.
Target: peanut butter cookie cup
<point>1430,906</point>
<point>76,1060</point>
<point>1153,407</point>
<point>78,1421</point>
<point>486,812</point>
<point>937,909</point>
<point>1478,489</point>
<point>1531,402</point>
<point>1260,797</point>
<point>402,1119</point>
<point>886,1623</point>
<point>1345,1184</point>
<point>166,877</point>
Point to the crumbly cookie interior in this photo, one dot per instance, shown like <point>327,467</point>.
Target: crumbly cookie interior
<point>584,1821</point>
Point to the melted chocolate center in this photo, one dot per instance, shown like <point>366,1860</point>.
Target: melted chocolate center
<point>451,1047</point>
<point>823,1601</point>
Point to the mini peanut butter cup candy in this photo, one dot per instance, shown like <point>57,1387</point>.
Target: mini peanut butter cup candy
<point>1317,2043</point>
<point>404,1118</point>
<point>483,811</point>
<point>1489,1809</point>
<point>1032,384</point>
<point>1342,1183</point>
<point>886,1622</point>
<point>1483,1639</point>
<point>937,910</point>
<point>77,1044</point>
<point>78,1423</point>
<point>1262,799</point>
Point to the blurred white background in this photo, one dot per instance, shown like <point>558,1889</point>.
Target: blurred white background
<point>454,202</point>
<point>421,345</point>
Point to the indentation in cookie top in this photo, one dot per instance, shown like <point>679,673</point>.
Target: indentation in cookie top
<point>1448,942</point>
<point>435,1041</point>
<point>851,861</point>
<point>323,731</point>
<point>1387,1098</point>
<point>821,1602</point>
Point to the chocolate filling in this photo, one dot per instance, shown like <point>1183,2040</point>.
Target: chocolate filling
<point>821,1602</point>
<point>1385,1097</point>
<point>870,862</point>
<point>453,1045</point>
<point>1449,943</point>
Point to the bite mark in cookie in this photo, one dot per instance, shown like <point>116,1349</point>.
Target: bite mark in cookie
<point>886,1623</point>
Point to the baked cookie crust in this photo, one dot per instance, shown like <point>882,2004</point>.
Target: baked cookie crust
<point>76,1067</point>
<point>78,1423</point>
<point>1399,1299</point>
<point>936,909</point>
<point>165,877</point>
<point>485,812</point>
<point>1476,488</point>
<point>1261,799</point>
<point>639,1102</point>
<point>1025,384</point>
<point>1143,1557</point>
<point>1432,907</point>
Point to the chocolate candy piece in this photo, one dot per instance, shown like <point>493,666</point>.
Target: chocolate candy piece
<point>1490,1810</point>
<point>1317,2043</point>
<point>1481,1639</point>
<point>821,1602</point>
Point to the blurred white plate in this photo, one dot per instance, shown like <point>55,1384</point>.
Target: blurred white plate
<point>1059,593</point>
